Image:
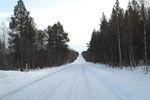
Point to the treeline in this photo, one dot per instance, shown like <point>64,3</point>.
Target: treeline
<point>30,48</point>
<point>124,39</point>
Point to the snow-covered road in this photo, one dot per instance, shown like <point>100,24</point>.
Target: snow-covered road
<point>77,81</point>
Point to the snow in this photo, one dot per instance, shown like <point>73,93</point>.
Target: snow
<point>77,81</point>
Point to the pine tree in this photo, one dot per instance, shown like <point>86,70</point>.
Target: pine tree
<point>57,44</point>
<point>3,59</point>
<point>93,45</point>
<point>22,35</point>
<point>40,49</point>
<point>148,33</point>
<point>103,42</point>
<point>143,13</point>
<point>117,9</point>
<point>1,54</point>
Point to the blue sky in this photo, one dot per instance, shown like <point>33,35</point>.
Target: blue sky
<point>6,5</point>
<point>79,17</point>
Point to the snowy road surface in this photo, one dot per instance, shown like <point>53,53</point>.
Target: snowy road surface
<point>77,81</point>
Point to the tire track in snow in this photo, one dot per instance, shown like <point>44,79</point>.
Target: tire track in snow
<point>75,86</point>
<point>87,84</point>
<point>29,84</point>
<point>104,83</point>
<point>47,85</point>
<point>80,86</point>
<point>66,89</point>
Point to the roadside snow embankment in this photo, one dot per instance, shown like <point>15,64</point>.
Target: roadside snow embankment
<point>11,81</point>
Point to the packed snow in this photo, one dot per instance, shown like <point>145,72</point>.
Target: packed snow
<point>77,81</point>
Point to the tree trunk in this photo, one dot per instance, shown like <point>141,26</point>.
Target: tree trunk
<point>119,46</point>
<point>145,46</point>
<point>145,38</point>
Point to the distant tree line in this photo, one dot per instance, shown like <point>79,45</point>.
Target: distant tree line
<point>30,48</point>
<point>124,39</point>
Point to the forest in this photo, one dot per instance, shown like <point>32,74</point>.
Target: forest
<point>124,39</point>
<point>30,48</point>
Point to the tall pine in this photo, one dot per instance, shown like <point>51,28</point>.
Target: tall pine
<point>22,36</point>
<point>57,44</point>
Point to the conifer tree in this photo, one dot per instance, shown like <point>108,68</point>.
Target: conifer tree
<point>94,46</point>
<point>22,35</point>
<point>143,13</point>
<point>57,44</point>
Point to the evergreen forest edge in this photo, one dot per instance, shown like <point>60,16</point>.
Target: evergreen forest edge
<point>124,39</point>
<point>30,48</point>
